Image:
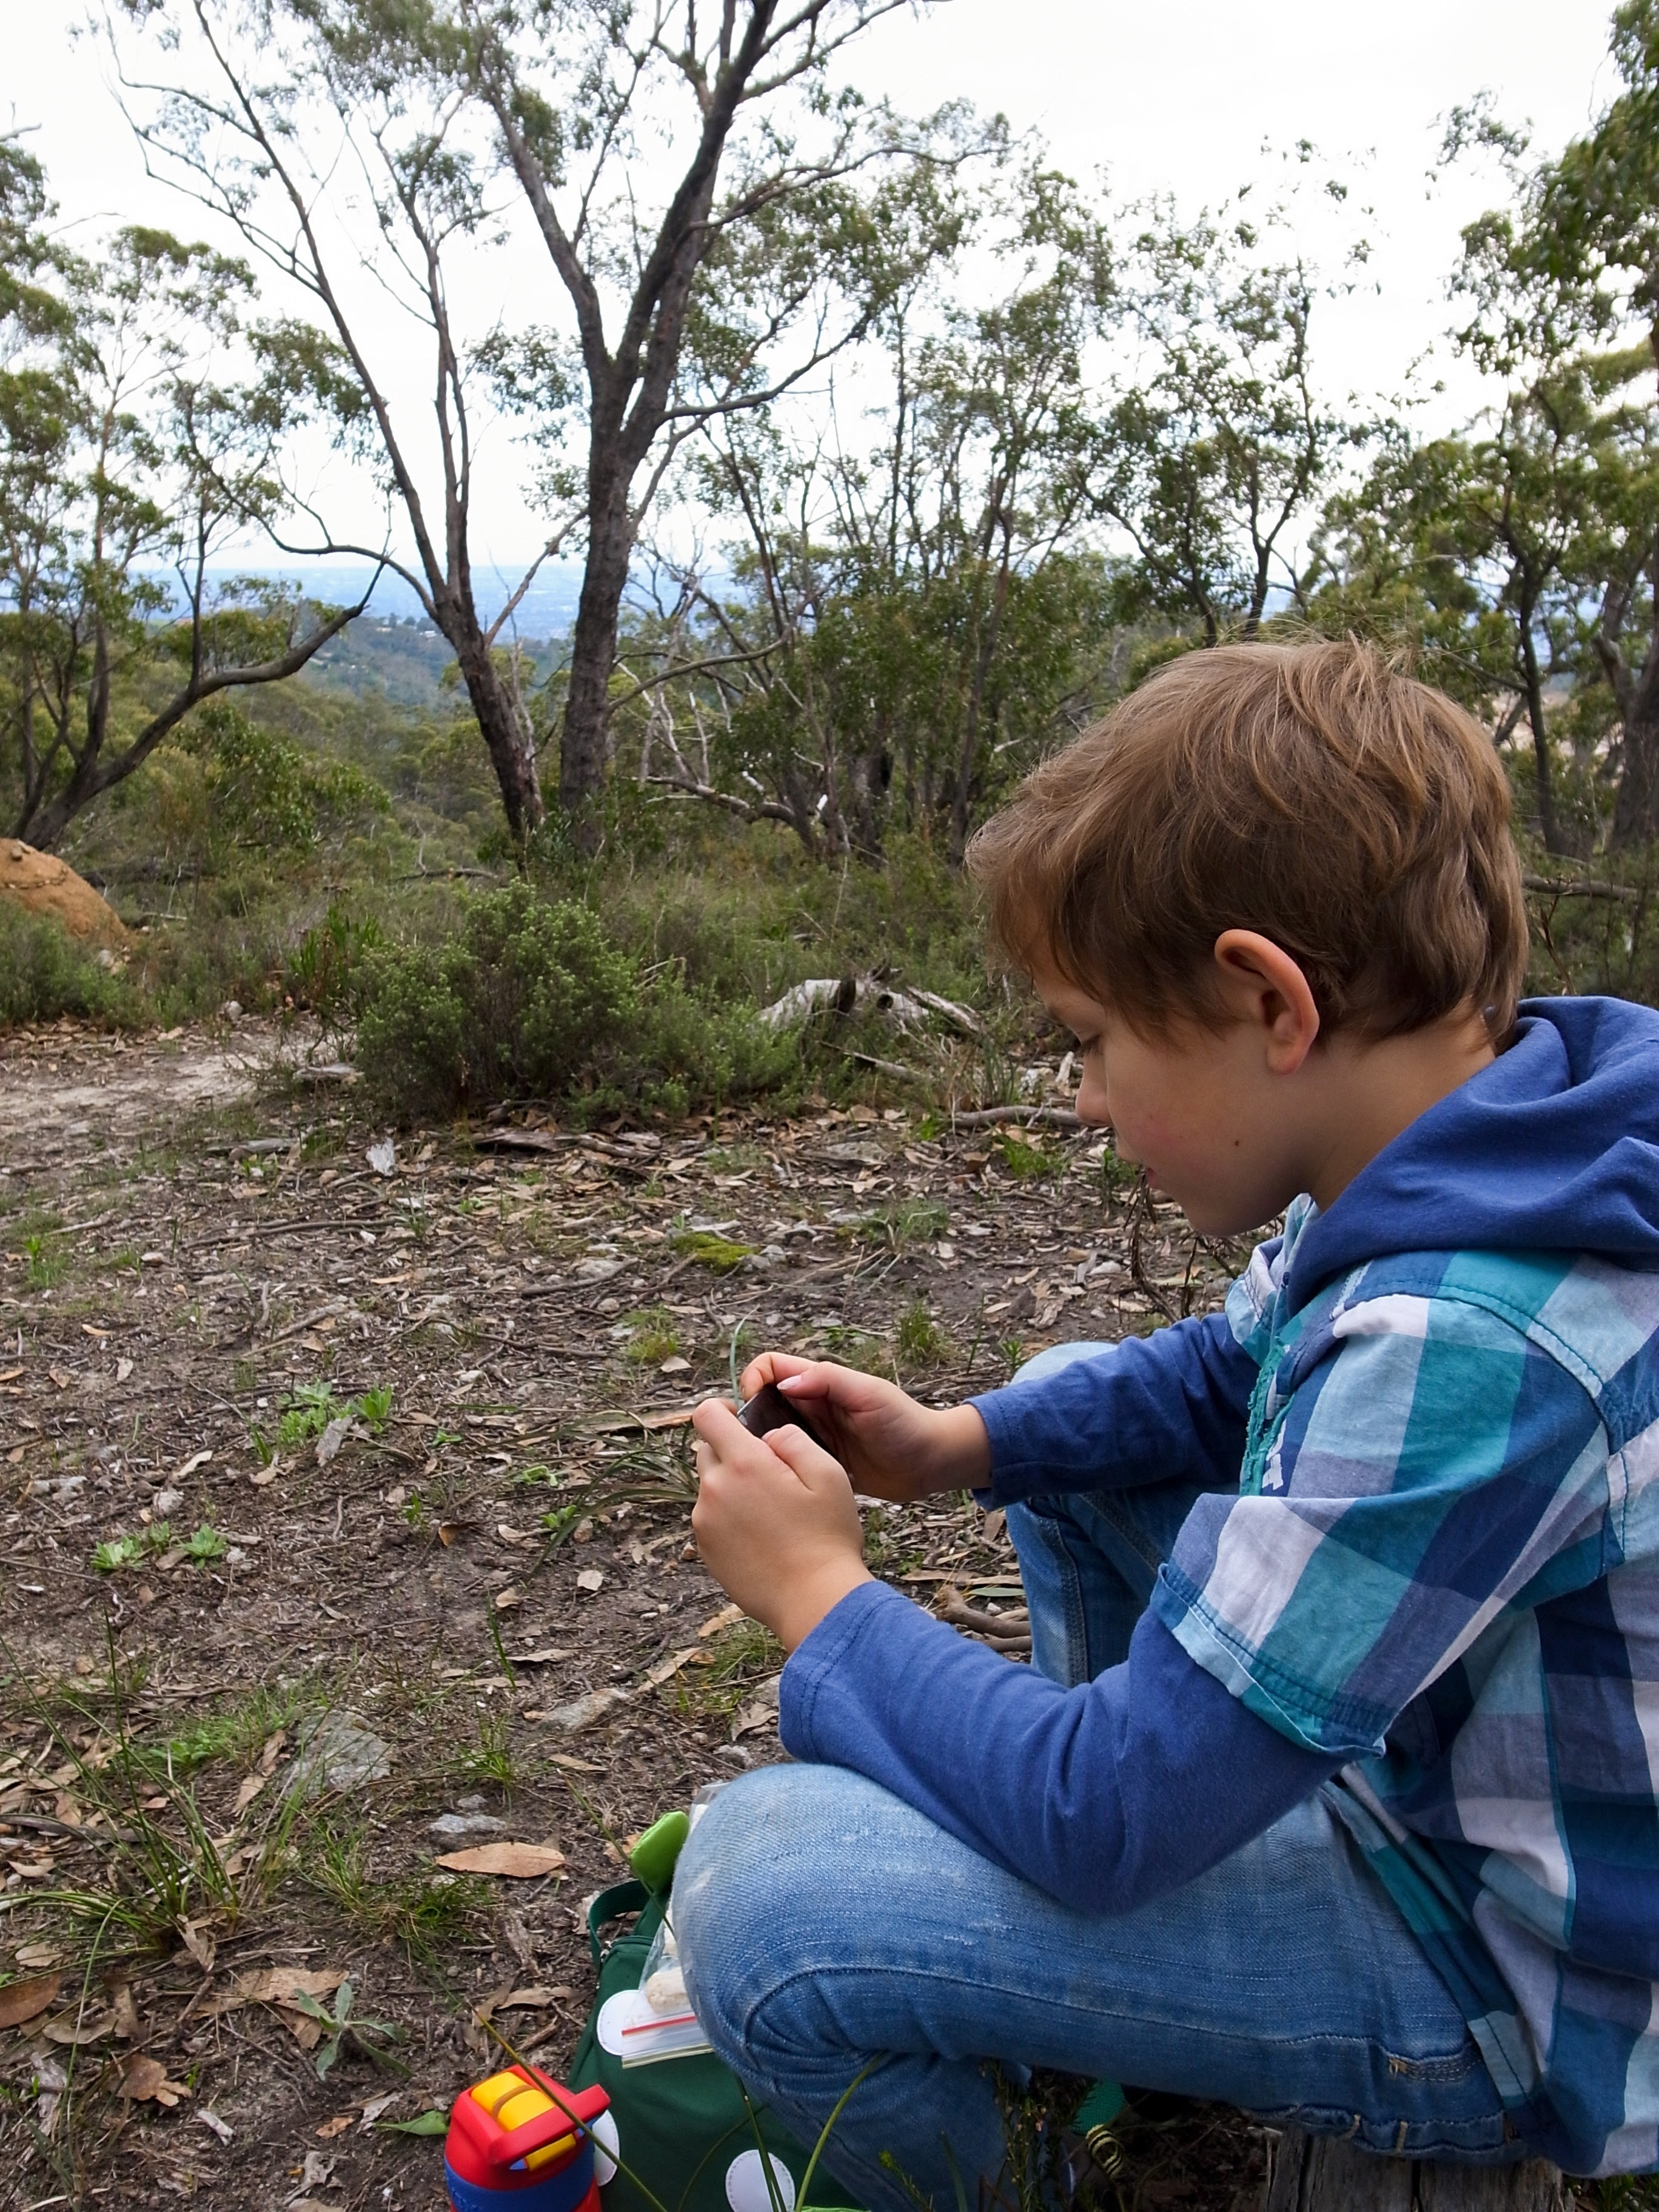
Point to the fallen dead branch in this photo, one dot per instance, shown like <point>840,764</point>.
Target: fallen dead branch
<point>980,1117</point>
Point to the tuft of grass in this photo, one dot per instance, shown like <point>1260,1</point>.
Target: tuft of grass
<point>426,1913</point>
<point>489,1759</point>
<point>236,1730</point>
<point>655,1337</point>
<point>46,1261</point>
<point>920,1341</point>
<point>745,1655</point>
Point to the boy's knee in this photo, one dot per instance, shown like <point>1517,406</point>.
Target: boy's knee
<point>728,1891</point>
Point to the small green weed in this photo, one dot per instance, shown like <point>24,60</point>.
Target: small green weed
<point>1013,1354</point>
<point>1026,1163</point>
<point>373,1409</point>
<point>718,1254</point>
<point>118,1552</point>
<point>490,1759</point>
<point>311,1406</point>
<point>742,1655</point>
<point>205,1544</point>
<point>344,2021</point>
<point>236,1730</point>
<point>911,1221</point>
<point>920,1341</point>
<point>46,1261</point>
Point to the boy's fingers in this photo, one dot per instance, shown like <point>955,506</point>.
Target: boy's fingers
<point>770,1367</point>
<point>806,1461</point>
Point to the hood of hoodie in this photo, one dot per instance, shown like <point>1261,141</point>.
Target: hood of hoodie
<point>1553,1147</point>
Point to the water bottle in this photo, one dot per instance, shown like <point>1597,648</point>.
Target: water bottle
<point>522,2141</point>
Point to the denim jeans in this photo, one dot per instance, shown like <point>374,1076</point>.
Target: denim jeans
<point>824,1926</point>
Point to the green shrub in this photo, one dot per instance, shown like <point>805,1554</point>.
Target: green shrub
<point>520,1003</point>
<point>325,971</point>
<point>530,999</point>
<point>44,972</point>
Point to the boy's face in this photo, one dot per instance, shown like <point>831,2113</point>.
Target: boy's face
<point>1203,1111</point>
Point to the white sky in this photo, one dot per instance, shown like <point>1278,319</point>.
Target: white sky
<point>1178,97</point>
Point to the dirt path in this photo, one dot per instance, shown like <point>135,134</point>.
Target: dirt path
<point>415,1428</point>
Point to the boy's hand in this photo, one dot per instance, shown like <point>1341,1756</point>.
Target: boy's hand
<point>776,1522</point>
<point>890,1446</point>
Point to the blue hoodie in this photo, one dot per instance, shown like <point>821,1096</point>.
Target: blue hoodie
<point>1452,1377</point>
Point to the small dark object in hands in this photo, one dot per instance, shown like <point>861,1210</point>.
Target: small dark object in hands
<point>769,1409</point>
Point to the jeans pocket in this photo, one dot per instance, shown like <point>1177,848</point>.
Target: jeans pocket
<point>1444,2067</point>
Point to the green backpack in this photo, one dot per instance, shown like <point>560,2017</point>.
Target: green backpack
<point>685,2128</point>
<point>684,2124</point>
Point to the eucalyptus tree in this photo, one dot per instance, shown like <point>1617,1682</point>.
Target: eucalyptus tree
<point>1561,284</point>
<point>124,454</point>
<point>909,600</point>
<point>1217,444</point>
<point>689,184</point>
<point>1489,551</point>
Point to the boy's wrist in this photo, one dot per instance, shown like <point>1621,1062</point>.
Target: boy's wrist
<point>960,1458</point>
<point>813,1598</point>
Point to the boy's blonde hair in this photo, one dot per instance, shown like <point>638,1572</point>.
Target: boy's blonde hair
<point>1312,792</point>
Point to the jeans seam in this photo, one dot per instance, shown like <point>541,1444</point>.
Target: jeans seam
<point>827,1973</point>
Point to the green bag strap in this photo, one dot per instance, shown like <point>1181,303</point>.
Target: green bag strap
<point>622,1897</point>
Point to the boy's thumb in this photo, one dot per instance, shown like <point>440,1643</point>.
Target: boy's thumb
<point>804,1459</point>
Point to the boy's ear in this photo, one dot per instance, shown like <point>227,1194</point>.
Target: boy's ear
<point>1260,984</point>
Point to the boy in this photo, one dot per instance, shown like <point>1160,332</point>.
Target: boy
<point>1332,1791</point>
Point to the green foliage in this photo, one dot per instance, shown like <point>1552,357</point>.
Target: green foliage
<point>47,1262</point>
<point>920,1340</point>
<point>325,968</point>
<point>1023,1160</point>
<point>45,974</point>
<point>426,1913</point>
<point>266,793</point>
<point>120,1552</point>
<point>655,1336</point>
<point>530,998</point>
<point>341,2022</point>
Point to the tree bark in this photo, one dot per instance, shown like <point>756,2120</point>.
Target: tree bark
<point>1326,2173</point>
<point>583,739</point>
<point>501,722</point>
<point>1543,771</point>
<point>1636,810</point>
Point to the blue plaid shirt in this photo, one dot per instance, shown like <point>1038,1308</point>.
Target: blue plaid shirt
<point>1443,1563</point>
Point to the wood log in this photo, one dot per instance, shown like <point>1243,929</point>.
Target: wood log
<point>1327,2173</point>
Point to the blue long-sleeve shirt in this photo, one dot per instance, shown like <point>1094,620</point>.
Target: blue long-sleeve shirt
<point>1436,1572</point>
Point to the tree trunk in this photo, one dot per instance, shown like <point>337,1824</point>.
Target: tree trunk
<point>1543,769</point>
<point>1636,810</point>
<point>1325,2174</point>
<point>593,656</point>
<point>511,748</point>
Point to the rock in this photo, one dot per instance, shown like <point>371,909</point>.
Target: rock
<point>582,1712</point>
<point>42,884</point>
<point>166,1503</point>
<point>338,1751</point>
<point>458,1828</point>
<point>328,1444</point>
<point>232,1011</point>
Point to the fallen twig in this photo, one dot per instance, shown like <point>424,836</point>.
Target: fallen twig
<point>980,1117</point>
